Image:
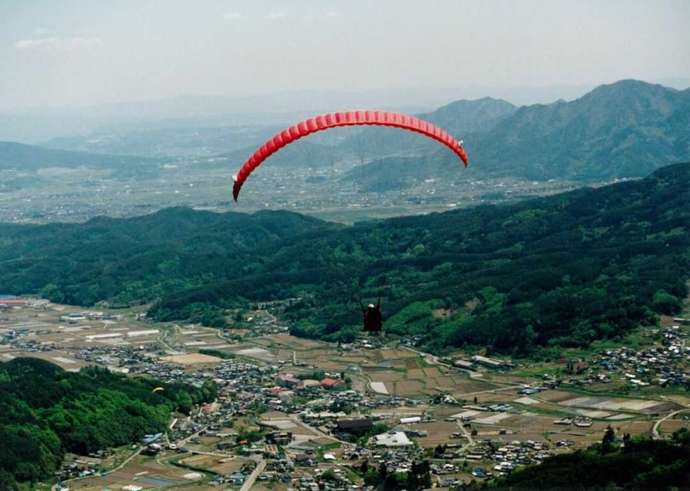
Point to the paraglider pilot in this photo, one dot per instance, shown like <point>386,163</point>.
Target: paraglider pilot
<point>372,317</point>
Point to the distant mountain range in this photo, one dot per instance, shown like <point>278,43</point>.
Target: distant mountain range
<point>626,129</point>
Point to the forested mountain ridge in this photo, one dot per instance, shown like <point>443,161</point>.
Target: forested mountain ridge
<point>562,270</point>
<point>137,259</point>
<point>471,116</point>
<point>625,129</point>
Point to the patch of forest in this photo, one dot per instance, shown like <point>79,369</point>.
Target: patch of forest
<point>638,464</point>
<point>46,411</point>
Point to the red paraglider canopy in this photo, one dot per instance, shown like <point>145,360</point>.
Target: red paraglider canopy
<point>349,118</point>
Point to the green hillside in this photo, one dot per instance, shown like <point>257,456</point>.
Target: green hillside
<point>138,259</point>
<point>626,129</point>
<point>563,270</point>
<point>76,412</point>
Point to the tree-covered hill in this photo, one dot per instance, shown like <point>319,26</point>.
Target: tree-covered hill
<point>562,270</point>
<point>463,117</point>
<point>625,129</point>
<point>76,412</point>
<point>139,259</point>
<point>639,464</point>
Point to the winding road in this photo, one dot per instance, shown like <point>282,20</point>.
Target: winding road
<point>655,429</point>
<point>467,435</point>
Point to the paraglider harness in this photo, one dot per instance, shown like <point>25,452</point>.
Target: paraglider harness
<point>371,315</point>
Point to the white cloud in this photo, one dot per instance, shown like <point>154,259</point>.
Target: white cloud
<point>232,16</point>
<point>61,43</point>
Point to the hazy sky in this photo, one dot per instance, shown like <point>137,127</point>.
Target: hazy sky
<point>84,52</point>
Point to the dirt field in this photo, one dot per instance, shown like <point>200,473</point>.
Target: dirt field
<point>397,354</point>
<point>220,465</point>
<point>61,358</point>
<point>439,433</point>
<point>554,396</point>
<point>192,359</point>
<point>612,404</point>
<point>381,375</point>
<point>409,388</point>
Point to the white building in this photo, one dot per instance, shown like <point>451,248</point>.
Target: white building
<point>392,439</point>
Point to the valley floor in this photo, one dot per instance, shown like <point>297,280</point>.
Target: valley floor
<point>271,382</point>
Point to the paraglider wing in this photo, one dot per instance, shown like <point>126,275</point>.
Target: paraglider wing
<point>350,118</point>
<point>158,389</point>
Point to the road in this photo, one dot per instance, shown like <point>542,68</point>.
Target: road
<point>655,429</point>
<point>260,466</point>
<point>428,357</point>
<point>125,462</point>
<point>466,434</point>
<point>181,443</point>
<point>162,338</point>
<point>488,391</point>
<point>212,454</point>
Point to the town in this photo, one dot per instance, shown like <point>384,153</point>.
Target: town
<point>300,414</point>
